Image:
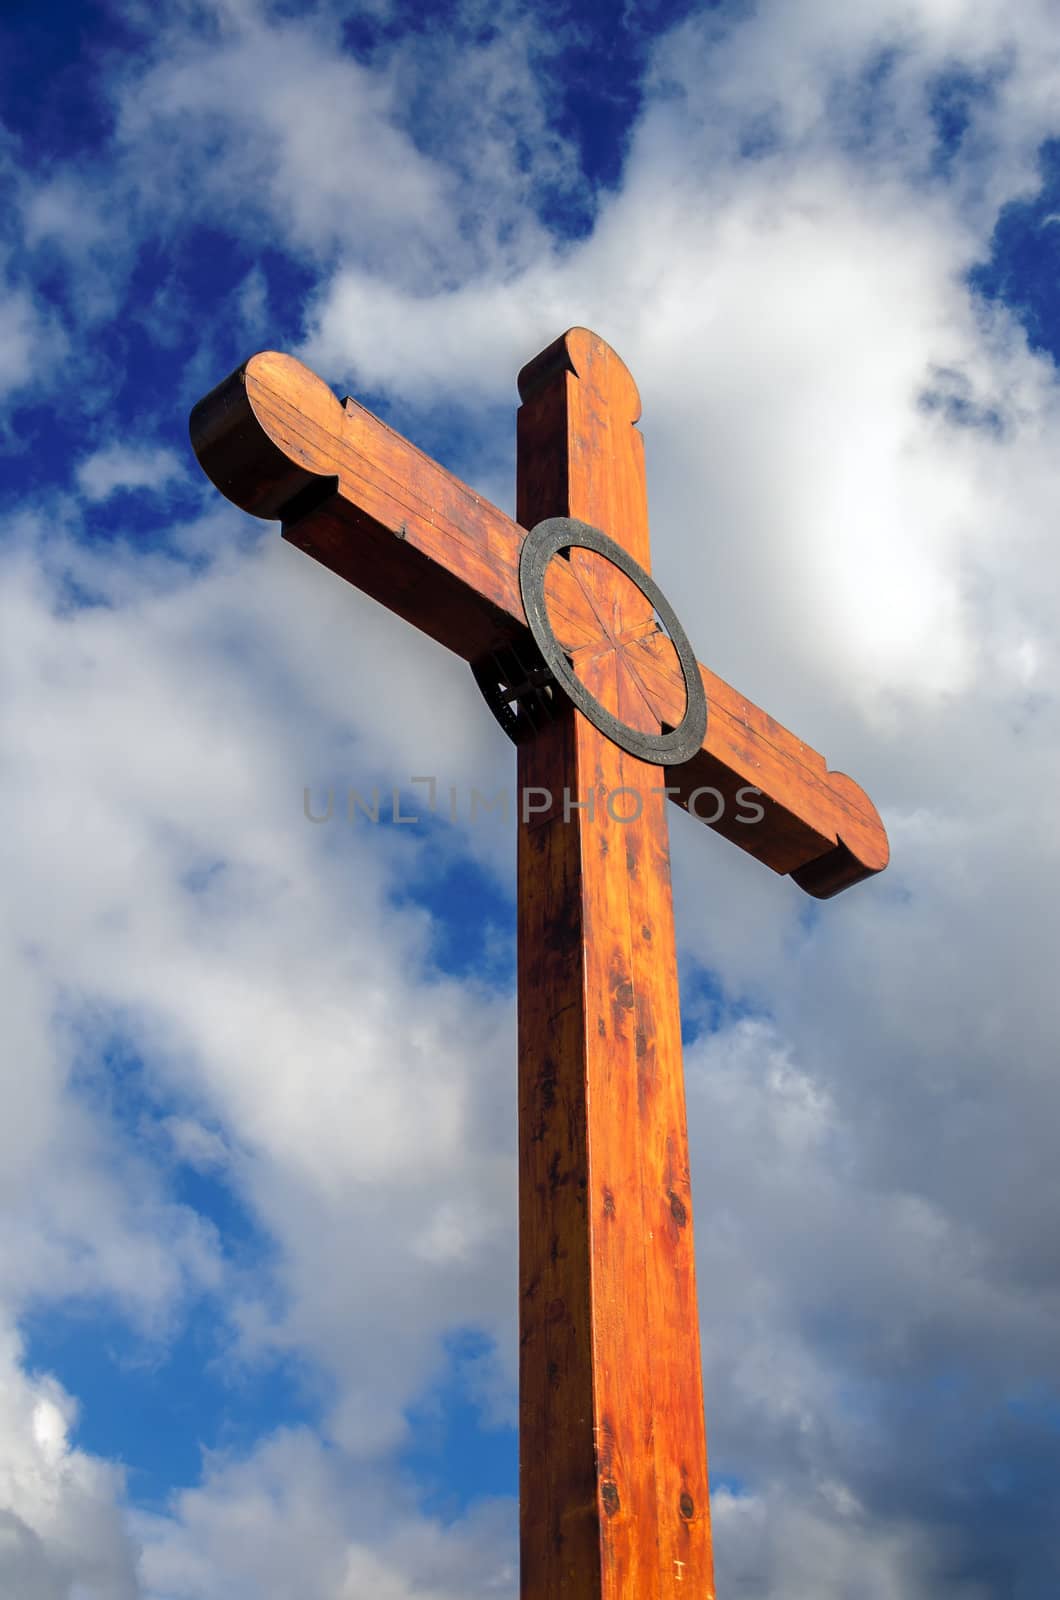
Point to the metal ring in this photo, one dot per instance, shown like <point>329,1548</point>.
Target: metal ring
<point>544,541</point>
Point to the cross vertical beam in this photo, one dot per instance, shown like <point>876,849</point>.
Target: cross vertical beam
<point>613,1494</point>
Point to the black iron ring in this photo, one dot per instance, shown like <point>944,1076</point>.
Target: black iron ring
<point>544,541</point>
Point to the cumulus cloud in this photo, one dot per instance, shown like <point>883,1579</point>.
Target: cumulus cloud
<point>293,1519</point>
<point>851,474</point>
<point>353,1085</point>
<point>61,1528</point>
<point>421,163</point>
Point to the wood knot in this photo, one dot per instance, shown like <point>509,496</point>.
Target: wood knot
<point>688,1506</point>
<point>609,1203</point>
<point>609,1496</point>
<point>677,1211</point>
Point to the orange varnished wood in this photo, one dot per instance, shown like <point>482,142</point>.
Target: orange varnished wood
<point>614,1497</point>
<point>373,508</point>
<point>597,388</point>
<point>559,1507</point>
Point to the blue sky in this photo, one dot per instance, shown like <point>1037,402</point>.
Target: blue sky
<point>257,1296</point>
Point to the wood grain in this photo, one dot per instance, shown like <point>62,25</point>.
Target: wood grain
<point>614,1498</point>
<point>377,511</point>
<point>614,1495</point>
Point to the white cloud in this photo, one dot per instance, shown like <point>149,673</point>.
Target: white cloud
<point>256,963</point>
<point>197,1146</point>
<point>120,466</point>
<point>61,1529</point>
<point>819,1545</point>
<point>292,1519</point>
<point>419,166</point>
<point>30,341</point>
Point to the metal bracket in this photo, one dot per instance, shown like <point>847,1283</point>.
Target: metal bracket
<point>519,689</point>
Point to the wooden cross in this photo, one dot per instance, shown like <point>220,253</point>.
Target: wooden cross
<point>612,1448</point>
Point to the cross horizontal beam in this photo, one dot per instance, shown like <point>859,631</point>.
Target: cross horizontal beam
<point>366,503</point>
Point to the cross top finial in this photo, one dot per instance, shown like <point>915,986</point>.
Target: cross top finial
<point>589,358</point>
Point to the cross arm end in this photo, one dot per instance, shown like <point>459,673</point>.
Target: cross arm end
<point>861,848</point>
<point>239,435</point>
